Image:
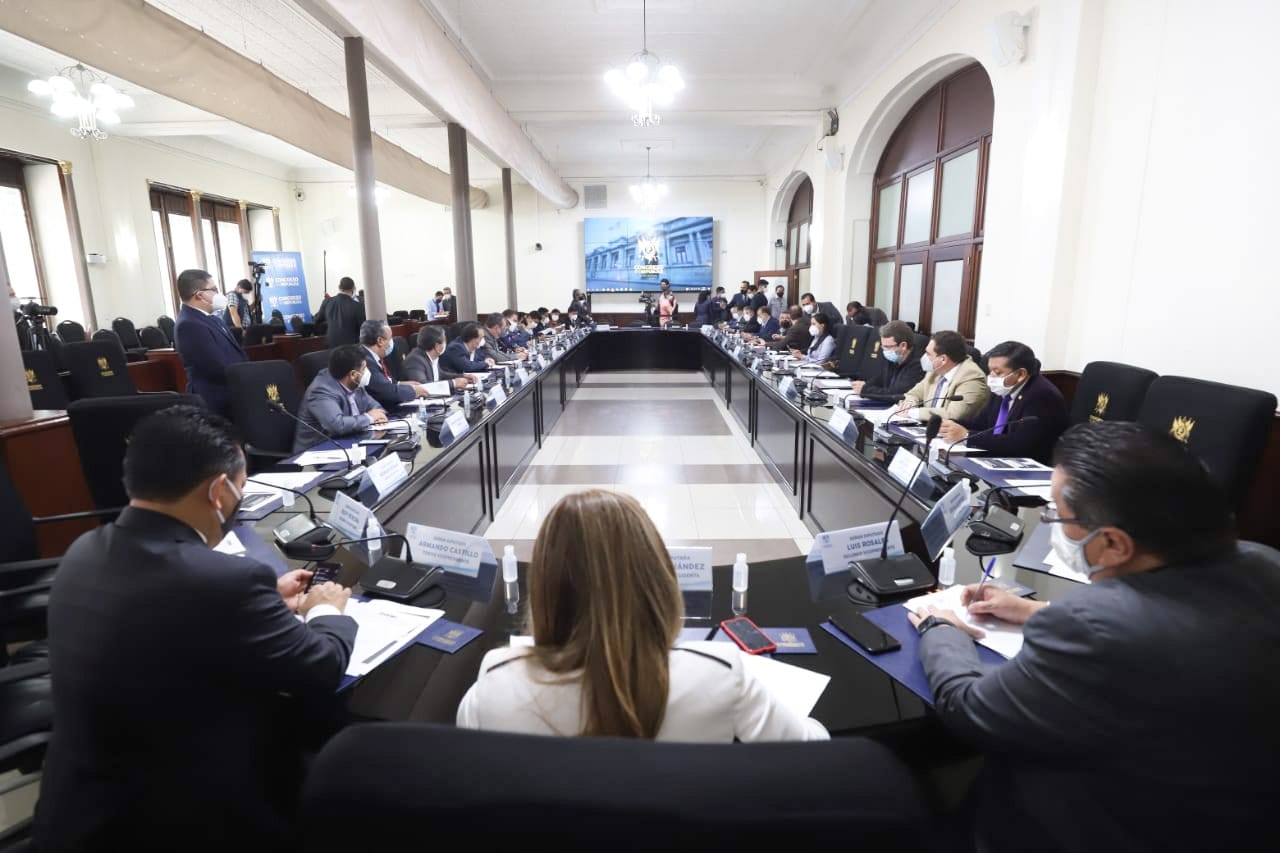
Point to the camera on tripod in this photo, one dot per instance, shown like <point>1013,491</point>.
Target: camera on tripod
<point>646,299</point>
<point>31,309</point>
<point>257,268</point>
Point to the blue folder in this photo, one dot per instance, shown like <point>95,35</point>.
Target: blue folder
<point>903,665</point>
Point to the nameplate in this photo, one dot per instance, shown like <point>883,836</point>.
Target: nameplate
<point>737,352</point>
<point>387,473</point>
<point>787,387</point>
<point>522,376</point>
<point>347,516</point>
<point>838,548</point>
<point>454,552</point>
<point>905,466</point>
<point>693,567</point>
<point>840,420</point>
<point>456,424</point>
<point>603,327</point>
<point>496,397</point>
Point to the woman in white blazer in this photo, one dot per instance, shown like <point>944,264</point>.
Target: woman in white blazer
<point>604,611</point>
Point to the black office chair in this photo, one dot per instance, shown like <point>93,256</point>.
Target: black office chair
<point>101,427</point>
<point>260,333</point>
<point>977,356</point>
<point>166,325</point>
<point>97,369</point>
<point>71,332</point>
<point>607,793</point>
<point>311,363</point>
<point>919,343</point>
<point>43,382</point>
<point>153,338</point>
<point>296,323</point>
<point>126,332</point>
<point>395,358</point>
<point>453,330</point>
<point>857,352</point>
<point>418,314</point>
<point>267,434</point>
<point>1225,425</point>
<point>1110,391</point>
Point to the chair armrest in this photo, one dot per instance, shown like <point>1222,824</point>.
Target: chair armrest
<point>30,589</point>
<point>45,564</point>
<point>266,454</point>
<point>75,516</point>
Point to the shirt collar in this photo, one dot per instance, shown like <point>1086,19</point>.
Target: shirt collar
<point>949,375</point>
<point>376,357</point>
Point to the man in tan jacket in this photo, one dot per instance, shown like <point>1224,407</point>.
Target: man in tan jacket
<point>948,372</point>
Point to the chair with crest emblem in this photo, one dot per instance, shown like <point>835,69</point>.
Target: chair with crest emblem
<point>254,388</point>
<point>1110,391</point>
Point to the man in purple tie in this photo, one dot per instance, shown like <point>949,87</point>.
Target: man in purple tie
<point>1018,392</point>
<point>203,339</point>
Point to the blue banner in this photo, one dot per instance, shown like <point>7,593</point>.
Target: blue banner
<point>284,287</point>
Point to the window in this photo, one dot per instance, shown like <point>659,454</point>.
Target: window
<point>21,255</point>
<point>799,218</point>
<point>222,226</point>
<point>928,218</point>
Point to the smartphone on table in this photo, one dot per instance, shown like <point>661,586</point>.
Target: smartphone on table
<point>748,636</point>
<point>865,633</point>
<point>323,573</point>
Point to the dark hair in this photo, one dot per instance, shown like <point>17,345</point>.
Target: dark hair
<point>665,281</point>
<point>492,320</point>
<point>795,312</point>
<point>439,293</point>
<point>854,305</point>
<point>345,283</point>
<point>951,345</point>
<point>764,309</point>
<point>174,450</point>
<point>344,359</point>
<point>191,282</point>
<point>1147,483</point>
<point>509,313</point>
<point>764,283</point>
<point>720,288</point>
<point>469,332</point>
<point>704,296</point>
<point>808,296</point>
<point>899,331</point>
<point>824,321</point>
<point>371,330</point>
<point>244,284</point>
<point>430,337</point>
<point>1018,355</point>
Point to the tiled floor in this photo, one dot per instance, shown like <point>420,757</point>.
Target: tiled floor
<point>666,438</point>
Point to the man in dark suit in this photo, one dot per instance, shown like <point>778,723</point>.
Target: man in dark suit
<point>170,659</point>
<point>742,298</point>
<point>203,339</point>
<point>1141,712</point>
<point>900,363</point>
<point>344,316</point>
<point>448,306</point>
<point>460,356</point>
<point>795,332</point>
<point>812,306</point>
<point>719,311</point>
<point>336,401</point>
<point>759,295</point>
<point>492,346</point>
<point>423,364</point>
<point>768,325</point>
<point>1017,391</point>
<point>375,340</point>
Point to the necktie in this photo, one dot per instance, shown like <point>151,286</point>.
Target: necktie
<point>383,364</point>
<point>1003,417</point>
<point>942,383</point>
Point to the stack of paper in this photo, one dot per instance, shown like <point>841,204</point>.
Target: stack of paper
<point>1001,637</point>
<point>355,455</point>
<point>385,629</point>
<point>262,483</point>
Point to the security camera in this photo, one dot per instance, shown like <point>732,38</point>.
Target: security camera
<point>537,247</point>
<point>298,194</point>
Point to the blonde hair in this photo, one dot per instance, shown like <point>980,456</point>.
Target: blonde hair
<point>604,602</point>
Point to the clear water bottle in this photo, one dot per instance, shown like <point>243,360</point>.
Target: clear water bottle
<point>740,578</point>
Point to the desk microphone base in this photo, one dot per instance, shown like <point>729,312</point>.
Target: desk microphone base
<point>878,581</point>
<point>400,581</point>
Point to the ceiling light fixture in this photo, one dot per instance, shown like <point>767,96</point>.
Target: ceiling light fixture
<point>645,82</point>
<point>84,95</point>
<point>648,192</point>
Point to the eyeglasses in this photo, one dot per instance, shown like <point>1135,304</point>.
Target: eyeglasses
<point>1048,516</point>
<point>208,290</point>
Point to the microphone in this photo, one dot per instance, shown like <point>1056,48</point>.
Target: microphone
<point>1015,422</point>
<point>294,539</point>
<point>396,579</point>
<point>954,398</point>
<point>339,481</point>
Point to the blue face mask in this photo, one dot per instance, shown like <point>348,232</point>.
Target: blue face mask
<point>892,355</point>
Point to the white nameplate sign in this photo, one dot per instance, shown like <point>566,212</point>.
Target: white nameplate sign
<point>498,395</point>
<point>347,516</point>
<point>905,466</point>
<point>454,552</point>
<point>737,351</point>
<point>522,375</point>
<point>693,567</point>
<point>840,547</point>
<point>787,387</point>
<point>840,419</point>
<point>387,473</point>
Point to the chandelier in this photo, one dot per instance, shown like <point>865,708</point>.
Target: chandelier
<point>648,192</point>
<point>645,82</point>
<point>84,95</point>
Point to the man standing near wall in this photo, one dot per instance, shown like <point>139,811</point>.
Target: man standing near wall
<point>344,316</point>
<point>204,340</point>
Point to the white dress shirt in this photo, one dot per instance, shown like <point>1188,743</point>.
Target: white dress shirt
<point>711,698</point>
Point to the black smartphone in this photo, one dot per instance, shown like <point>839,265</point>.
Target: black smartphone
<point>323,573</point>
<point>865,633</point>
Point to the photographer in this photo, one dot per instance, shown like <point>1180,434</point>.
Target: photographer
<point>238,305</point>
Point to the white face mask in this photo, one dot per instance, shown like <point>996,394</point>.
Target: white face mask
<point>997,386</point>
<point>926,363</point>
<point>219,302</point>
<point>15,302</point>
<point>808,309</point>
<point>365,377</point>
<point>1071,551</point>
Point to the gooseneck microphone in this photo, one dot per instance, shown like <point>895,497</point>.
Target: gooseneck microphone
<point>930,433</point>
<point>1007,425</point>
<point>339,481</point>
<point>295,543</point>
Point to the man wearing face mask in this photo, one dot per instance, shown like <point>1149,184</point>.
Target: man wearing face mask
<point>742,298</point>
<point>719,311</point>
<point>812,306</point>
<point>337,401</point>
<point>1140,713</point>
<point>1018,391</point>
<point>900,370</point>
<point>795,334</point>
<point>203,339</point>
<point>777,302</point>
<point>948,373</point>
<point>462,354</point>
<point>175,666</point>
<point>375,339</point>
<point>768,326</point>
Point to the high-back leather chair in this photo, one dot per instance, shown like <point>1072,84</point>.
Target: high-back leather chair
<point>43,382</point>
<point>166,325</point>
<point>97,369</point>
<point>260,333</point>
<point>251,387</point>
<point>152,337</point>
<point>71,332</point>
<point>309,364</point>
<point>395,358</point>
<point>1225,425</point>
<point>1110,391</point>
<point>854,345</point>
<point>598,793</point>
<point>126,332</point>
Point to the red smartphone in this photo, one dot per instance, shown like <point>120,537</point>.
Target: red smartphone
<point>748,636</point>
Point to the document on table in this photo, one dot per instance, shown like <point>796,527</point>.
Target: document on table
<point>793,687</point>
<point>397,425</point>
<point>327,457</point>
<point>1062,570</point>
<point>1035,488</point>
<point>385,628</point>
<point>262,484</point>
<point>832,384</point>
<point>1001,637</point>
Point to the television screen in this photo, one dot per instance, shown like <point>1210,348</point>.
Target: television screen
<point>629,254</point>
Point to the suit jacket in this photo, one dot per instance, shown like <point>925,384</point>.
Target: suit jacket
<point>719,312</point>
<point>344,316</point>
<point>829,311</point>
<point>740,300</point>
<point>1038,398</point>
<point>1129,706</point>
<point>325,406</point>
<point>389,393</point>
<point>207,347</point>
<point>417,368</point>
<point>759,301</point>
<point>769,328</point>
<point>493,348</point>
<point>797,336</point>
<point>167,661</point>
<point>896,379</point>
<point>751,326</point>
<point>702,312</point>
<point>457,359</point>
<point>968,380</point>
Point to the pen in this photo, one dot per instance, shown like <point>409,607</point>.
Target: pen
<point>977,595</point>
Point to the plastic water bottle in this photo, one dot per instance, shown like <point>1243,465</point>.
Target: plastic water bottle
<point>947,567</point>
<point>740,572</point>
<point>510,579</point>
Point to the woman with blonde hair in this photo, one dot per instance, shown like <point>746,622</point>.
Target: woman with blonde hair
<point>604,609</point>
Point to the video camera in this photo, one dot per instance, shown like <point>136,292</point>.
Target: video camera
<point>31,309</point>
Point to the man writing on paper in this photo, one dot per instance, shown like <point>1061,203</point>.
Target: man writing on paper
<point>1141,712</point>
<point>423,364</point>
<point>170,659</point>
<point>336,401</point>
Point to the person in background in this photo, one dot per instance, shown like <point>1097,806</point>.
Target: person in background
<point>759,295</point>
<point>554,322</point>
<point>702,308</point>
<point>796,334</point>
<point>667,304</point>
<point>1129,720</point>
<point>375,340</point>
<point>514,336</point>
<point>745,321</point>
<point>856,315</point>
<point>435,305</point>
<point>535,325</point>
<point>448,307</point>
<point>579,304</point>
<point>777,302</point>
<point>719,311</point>
<point>605,611</point>
<point>187,683</point>
<point>492,347</point>
<point>742,298</point>
<point>423,364</point>
<point>238,302</point>
<point>948,372</point>
<point>768,326</point>
<point>822,345</point>
<point>337,402</point>
<point>461,355</point>
<point>900,363</point>
<point>277,320</point>
<point>343,316</point>
<point>203,339</point>
<point>812,306</point>
<point>1018,391</point>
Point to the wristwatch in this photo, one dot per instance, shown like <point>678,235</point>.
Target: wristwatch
<point>929,623</point>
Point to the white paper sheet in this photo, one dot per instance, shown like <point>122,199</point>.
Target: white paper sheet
<point>791,686</point>
<point>230,544</point>
<point>385,628</point>
<point>290,480</point>
<point>1001,637</point>
<point>397,425</point>
<point>328,457</point>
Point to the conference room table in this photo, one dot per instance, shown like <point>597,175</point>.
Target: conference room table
<point>834,481</point>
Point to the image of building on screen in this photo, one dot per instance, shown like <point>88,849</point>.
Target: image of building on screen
<point>628,254</point>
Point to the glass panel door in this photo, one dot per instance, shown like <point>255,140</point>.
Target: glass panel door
<point>183,242</point>
<point>211,252</point>
<point>948,282</point>
<point>910,286</point>
<point>16,237</point>
<point>919,208</point>
<point>232,257</point>
<point>959,195</point>
<point>884,286</point>
<point>887,216</point>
